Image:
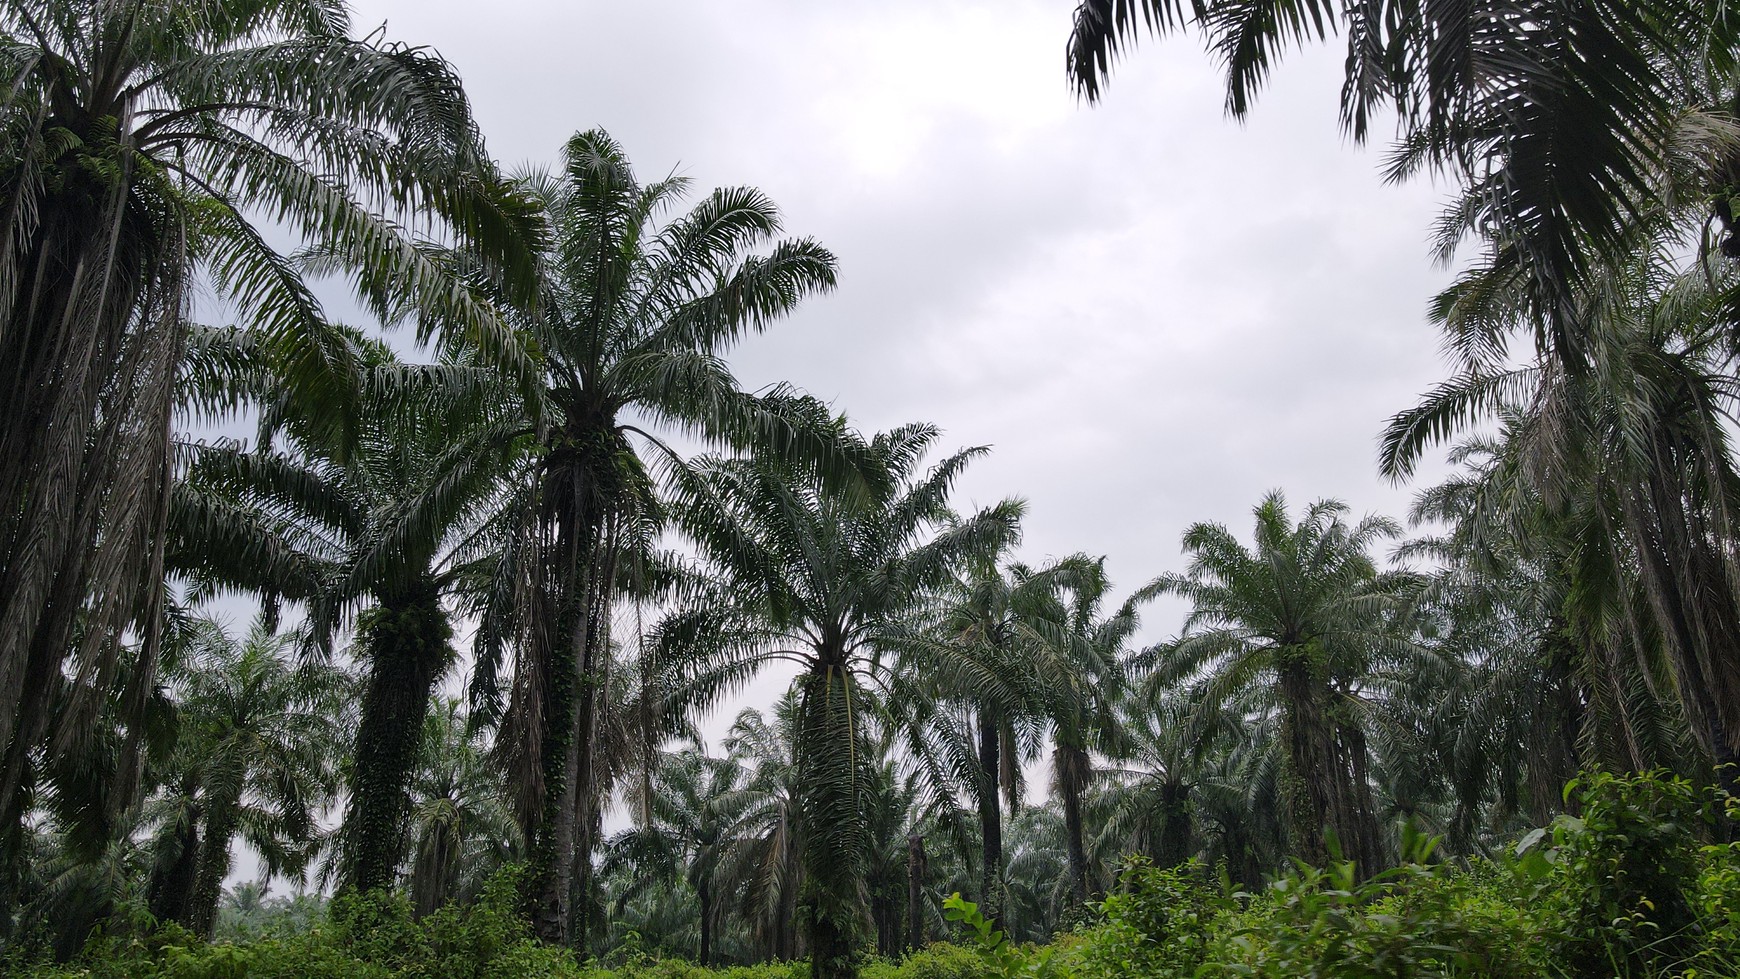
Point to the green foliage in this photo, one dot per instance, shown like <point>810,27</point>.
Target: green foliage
<point>1001,958</point>
<point>1159,922</point>
<point>1625,873</point>
<point>1414,921</point>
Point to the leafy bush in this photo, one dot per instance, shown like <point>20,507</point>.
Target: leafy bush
<point>1621,893</point>
<point>1420,921</point>
<point>1159,922</point>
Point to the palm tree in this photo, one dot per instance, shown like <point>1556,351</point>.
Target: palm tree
<point>1301,622</point>
<point>1078,662</point>
<point>392,524</point>
<point>1040,890</point>
<point>1144,803</point>
<point>257,744</point>
<point>761,858</point>
<point>820,578</point>
<point>631,320</point>
<point>140,139</point>
<point>683,833</point>
<point>967,683</point>
<point>1629,460</point>
<point>461,829</point>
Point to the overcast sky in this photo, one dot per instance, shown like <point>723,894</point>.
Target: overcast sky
<point>1152,313</point>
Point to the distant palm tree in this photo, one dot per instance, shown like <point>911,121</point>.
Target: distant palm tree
<point>390,526</point>
<point>461,829</point>
<point>1301,623</point>
<point>141,142</point>
<point>1078,655</point>
<point>684,832</point>
<point>258,747</point>
<point>761,861</point>
<point>631,319</point>
<point>820,579</point>
<point>965,678</point>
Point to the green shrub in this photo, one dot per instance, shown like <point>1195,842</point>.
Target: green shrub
<point>1158,922</point>
<point>939,960</point>
<point>1622,887</point>
<point>1420,921</point>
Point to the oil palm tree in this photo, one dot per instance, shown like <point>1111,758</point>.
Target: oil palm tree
<point>761,861</point>
<point>684,832</point>
<point>967,682</point>
<point>1301,622</point>
<point>1077,656</point>
<point>385,530</point>
<point>1630,459</point>
<point>820,578</point>
<point>461,829</point>
<point>258,740</point>
<point>632,317</point>
<point>141,139</point>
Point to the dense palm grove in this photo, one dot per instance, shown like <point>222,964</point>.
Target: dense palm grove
<point>506,583</point>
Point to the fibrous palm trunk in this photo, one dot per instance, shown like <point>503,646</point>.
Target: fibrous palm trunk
<point>406,639</point>
<point>171,887</point>
<point>581,489</point>
<point>1692,588</point>
<point>1073,768</point>
<point>832,825</point>
<point>214,866</point>
<point>704,894</point>
<point>990,816</point>
<point>917,870</point>
<point>91,331</point>
<point>1315,789</point>
<point>1173,846</point>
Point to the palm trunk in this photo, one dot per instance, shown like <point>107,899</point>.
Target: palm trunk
<point>406,639</point>
<point>432,880</point>
<point>1072,774</point>
<point>1364,845</point>
<point>917,870</point>
<point>214,866</point>
<point>704,892</point>
<point>1174,842</point>
<point>1693,593</point>
<point>1309,787</point>
<point>90,341</point>
<point>832,827</point>
<point>554,834</point>
<point>990,817</point>
<point>170,891</point>
<point>581,487</point>
<point>593,700</point>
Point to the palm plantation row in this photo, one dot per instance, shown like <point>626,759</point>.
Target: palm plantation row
<point>511,512</point>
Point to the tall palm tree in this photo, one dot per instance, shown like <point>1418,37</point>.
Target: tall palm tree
<point>257,743</point>
<point>820,578</point>
<point>631,318</point>
<point>390,525</point>
<point>1302,621</point>
<point>1630,457</point>
<point>140,139</point>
